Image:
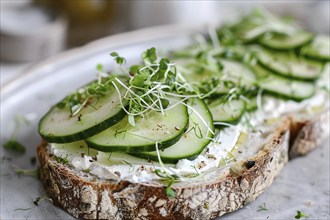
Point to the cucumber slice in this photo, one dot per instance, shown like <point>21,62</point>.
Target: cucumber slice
<point>205,77</point>
<point>247,30</point>
<point>319,48</point>
<point>164,129</point>
<point>236,52</point>
<point>189,52</point>
<point>78,148</point>
<point>197,71</point>
<point>219,77</point>
<point>72,149</point>
<point>279,41</point>
<point>245,33</point>
<point>229,111</point>
<point>289,65</point>
<point>251,105</point>
<point>59,126</point>
<point>238,72</point>
<point>289,88</point>
<point>197,137</point>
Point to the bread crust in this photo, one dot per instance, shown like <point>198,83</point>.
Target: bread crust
<point>229,190</point>
<point>306,135</point>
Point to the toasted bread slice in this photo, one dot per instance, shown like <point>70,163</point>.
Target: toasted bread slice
<point>307,134</point>
<point>281,111</point>
<point>86,196</point>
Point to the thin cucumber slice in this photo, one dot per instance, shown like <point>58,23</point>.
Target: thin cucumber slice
<point>189,52</point>
<point>164,129</point>
<point>197,71</point>
<point>319,48</point>
<point>288,88</point>
<point>236,52</point>
<point>289,65</point>
<point>248,29</point>
<point>238,72</point>
<point>279,41</point>
<point>80,149</point>
<point>197,137</point>
<point>98,113</point>
<point>205,78</point>
<point>219,77</point>
<point>229,111</point>
<point>246,33</point>
<point>72,149</point>
<point>251,105</point>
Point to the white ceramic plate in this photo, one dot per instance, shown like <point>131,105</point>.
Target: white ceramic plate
<point>303,185</point>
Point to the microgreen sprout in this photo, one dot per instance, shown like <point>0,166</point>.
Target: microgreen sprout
<point>164,174</point>
<point>62,160</point>
<point>147,85</point>
<point>88,95</point>
<point>120,132</point>
<point>248,124</point>
<point>262,207</point>
<point>214,37</point>
<point>300,215</point>
<point>155,85</point>
<point>38,200</point>
<point>26,172</point>
<point>197,130</point>
<point>131,166</point>
<point>169,179</point>
<point>119,60</point>
<point>194,167</point>
<point>13,144</point>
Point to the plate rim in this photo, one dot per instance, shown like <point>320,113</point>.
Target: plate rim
<point>120,40</point>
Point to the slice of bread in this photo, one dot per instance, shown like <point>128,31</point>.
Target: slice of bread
<point>221,191</point>
<point>283,113</point>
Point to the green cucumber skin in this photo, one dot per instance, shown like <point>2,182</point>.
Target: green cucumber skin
<point>252,105</point>
<point>191,155</point>
<point>319,58</point>
<point>288,97</point>
<point>106,141</point>
<point>286,59</point>
<point>264,74</point>
<point>135,149</point>
<point>172,160</point>
<point>138,148</point>
<point>234,119</point>
<point>318,49</point>
<point>88,131</point>
<point>82,134</point>
<point>289,75</point>
<point>285,97</point>
<point>153,157</point>
<point>276,44</point>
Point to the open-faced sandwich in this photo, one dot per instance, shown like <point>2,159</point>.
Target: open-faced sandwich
<point>195,136</point>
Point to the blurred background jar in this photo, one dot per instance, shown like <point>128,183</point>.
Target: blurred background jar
<point>89,19</point>
<point>29,32</point>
